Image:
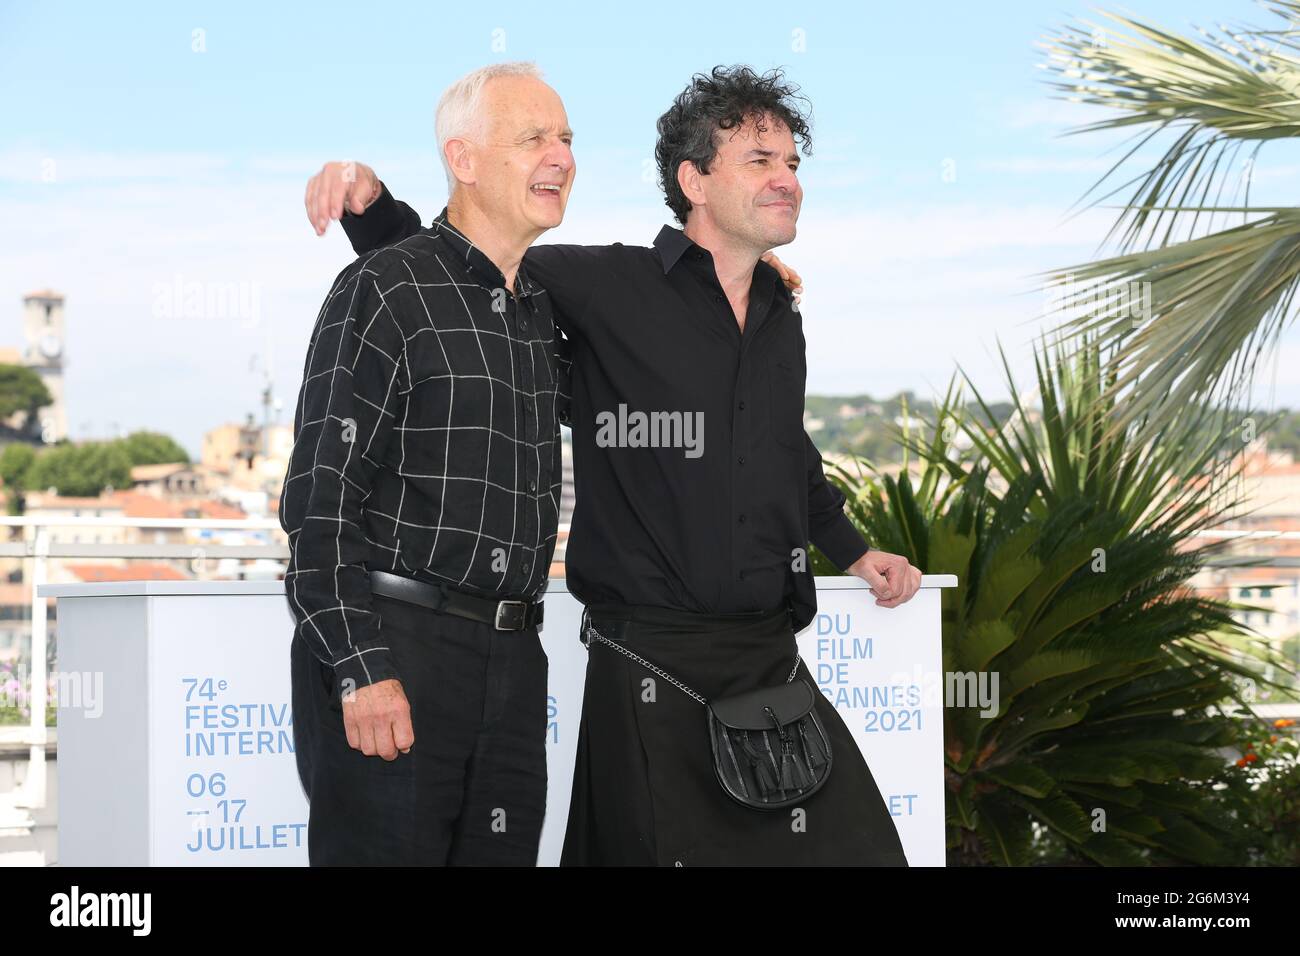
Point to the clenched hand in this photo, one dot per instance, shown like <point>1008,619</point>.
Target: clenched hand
<point>377,719</point>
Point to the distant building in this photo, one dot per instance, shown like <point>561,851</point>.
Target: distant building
<point>169,480</point>
<point>247,463</point>
<point>43,353</point>
<point>1270,491</point>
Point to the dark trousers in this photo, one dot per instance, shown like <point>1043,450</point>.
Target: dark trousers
<point>472,790</point>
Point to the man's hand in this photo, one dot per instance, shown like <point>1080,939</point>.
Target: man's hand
<point>377,719</point>
<point>788,275</point>
<point>336,186</point>
<point>892,578</point>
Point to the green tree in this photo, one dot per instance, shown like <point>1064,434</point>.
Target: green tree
<point>85,469</point>
<point>153,448</point>
<point>21,389</point>
<point>15,464</point>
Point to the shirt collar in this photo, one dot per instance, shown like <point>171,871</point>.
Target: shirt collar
<point>475,258</point>
<point>671,244</point>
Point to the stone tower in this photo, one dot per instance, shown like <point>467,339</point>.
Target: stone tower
<point>43,353</point>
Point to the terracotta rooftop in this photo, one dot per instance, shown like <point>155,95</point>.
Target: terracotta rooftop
<point>136,571</point>
<point>135,504</point>
<point>43,501</point>
<point>140,505</point>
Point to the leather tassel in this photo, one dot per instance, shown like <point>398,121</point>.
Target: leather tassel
<point>762,769</point>
<point>803,777</point>
<point>788,771</point>
<point>815,759</point>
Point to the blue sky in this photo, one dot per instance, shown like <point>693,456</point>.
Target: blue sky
<point>130,163</point>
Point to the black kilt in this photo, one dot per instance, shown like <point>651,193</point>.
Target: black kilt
<point>644,789</point>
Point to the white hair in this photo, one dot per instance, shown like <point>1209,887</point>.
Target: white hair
<point>458,110</point>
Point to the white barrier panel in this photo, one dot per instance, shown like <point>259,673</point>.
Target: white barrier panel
<point>176,737</point>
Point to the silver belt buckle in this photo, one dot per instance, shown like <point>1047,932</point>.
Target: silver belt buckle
<point>501,607</point>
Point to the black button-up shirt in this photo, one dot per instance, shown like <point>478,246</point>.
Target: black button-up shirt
<point>426,441</point>
<point>651,331</point>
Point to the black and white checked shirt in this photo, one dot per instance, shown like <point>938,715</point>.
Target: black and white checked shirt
<point>426,441</point>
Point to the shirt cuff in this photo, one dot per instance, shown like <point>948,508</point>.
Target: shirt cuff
<point>359,228</point>
<point>841,541</point>
<point>366,664</point>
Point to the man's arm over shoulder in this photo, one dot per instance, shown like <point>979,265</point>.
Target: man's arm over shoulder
<point>386,221</point>
<point>354,376</point>
<point>572,275</point>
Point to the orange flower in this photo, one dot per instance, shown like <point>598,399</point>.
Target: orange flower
<point>1241,762</point>
<point>1250,758</point>
<point>1272,739</point>
<point>1283,722</point>
<point>1250,746</point>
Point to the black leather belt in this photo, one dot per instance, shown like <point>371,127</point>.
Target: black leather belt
<point>503,615</point>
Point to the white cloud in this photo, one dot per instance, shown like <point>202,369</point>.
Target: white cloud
<point>54,168</point>
<point>1040,164</point>
<point>1048,112</point>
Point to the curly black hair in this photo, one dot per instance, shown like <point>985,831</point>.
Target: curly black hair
<point>724,98</point>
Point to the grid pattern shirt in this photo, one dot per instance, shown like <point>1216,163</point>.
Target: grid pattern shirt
<point>426,441</point>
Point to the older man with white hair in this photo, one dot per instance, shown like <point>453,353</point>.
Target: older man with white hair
<point>421,503</point>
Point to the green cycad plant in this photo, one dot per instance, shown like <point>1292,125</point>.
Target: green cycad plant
<point>1073,548</point>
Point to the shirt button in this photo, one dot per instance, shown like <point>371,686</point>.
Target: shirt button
<point>741,459</point>
<point>742,575</point>
<point>742,406</point>
<point>742,519</point>
<point>523,324</point>
<point>526,568</point>
<point>532,486</point>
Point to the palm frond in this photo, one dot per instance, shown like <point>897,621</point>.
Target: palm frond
<point>1215,94</point>
<point>1191,320</point>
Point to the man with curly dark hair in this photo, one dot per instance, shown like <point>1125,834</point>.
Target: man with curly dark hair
<point>688,544</point>
<point>723,102</point>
